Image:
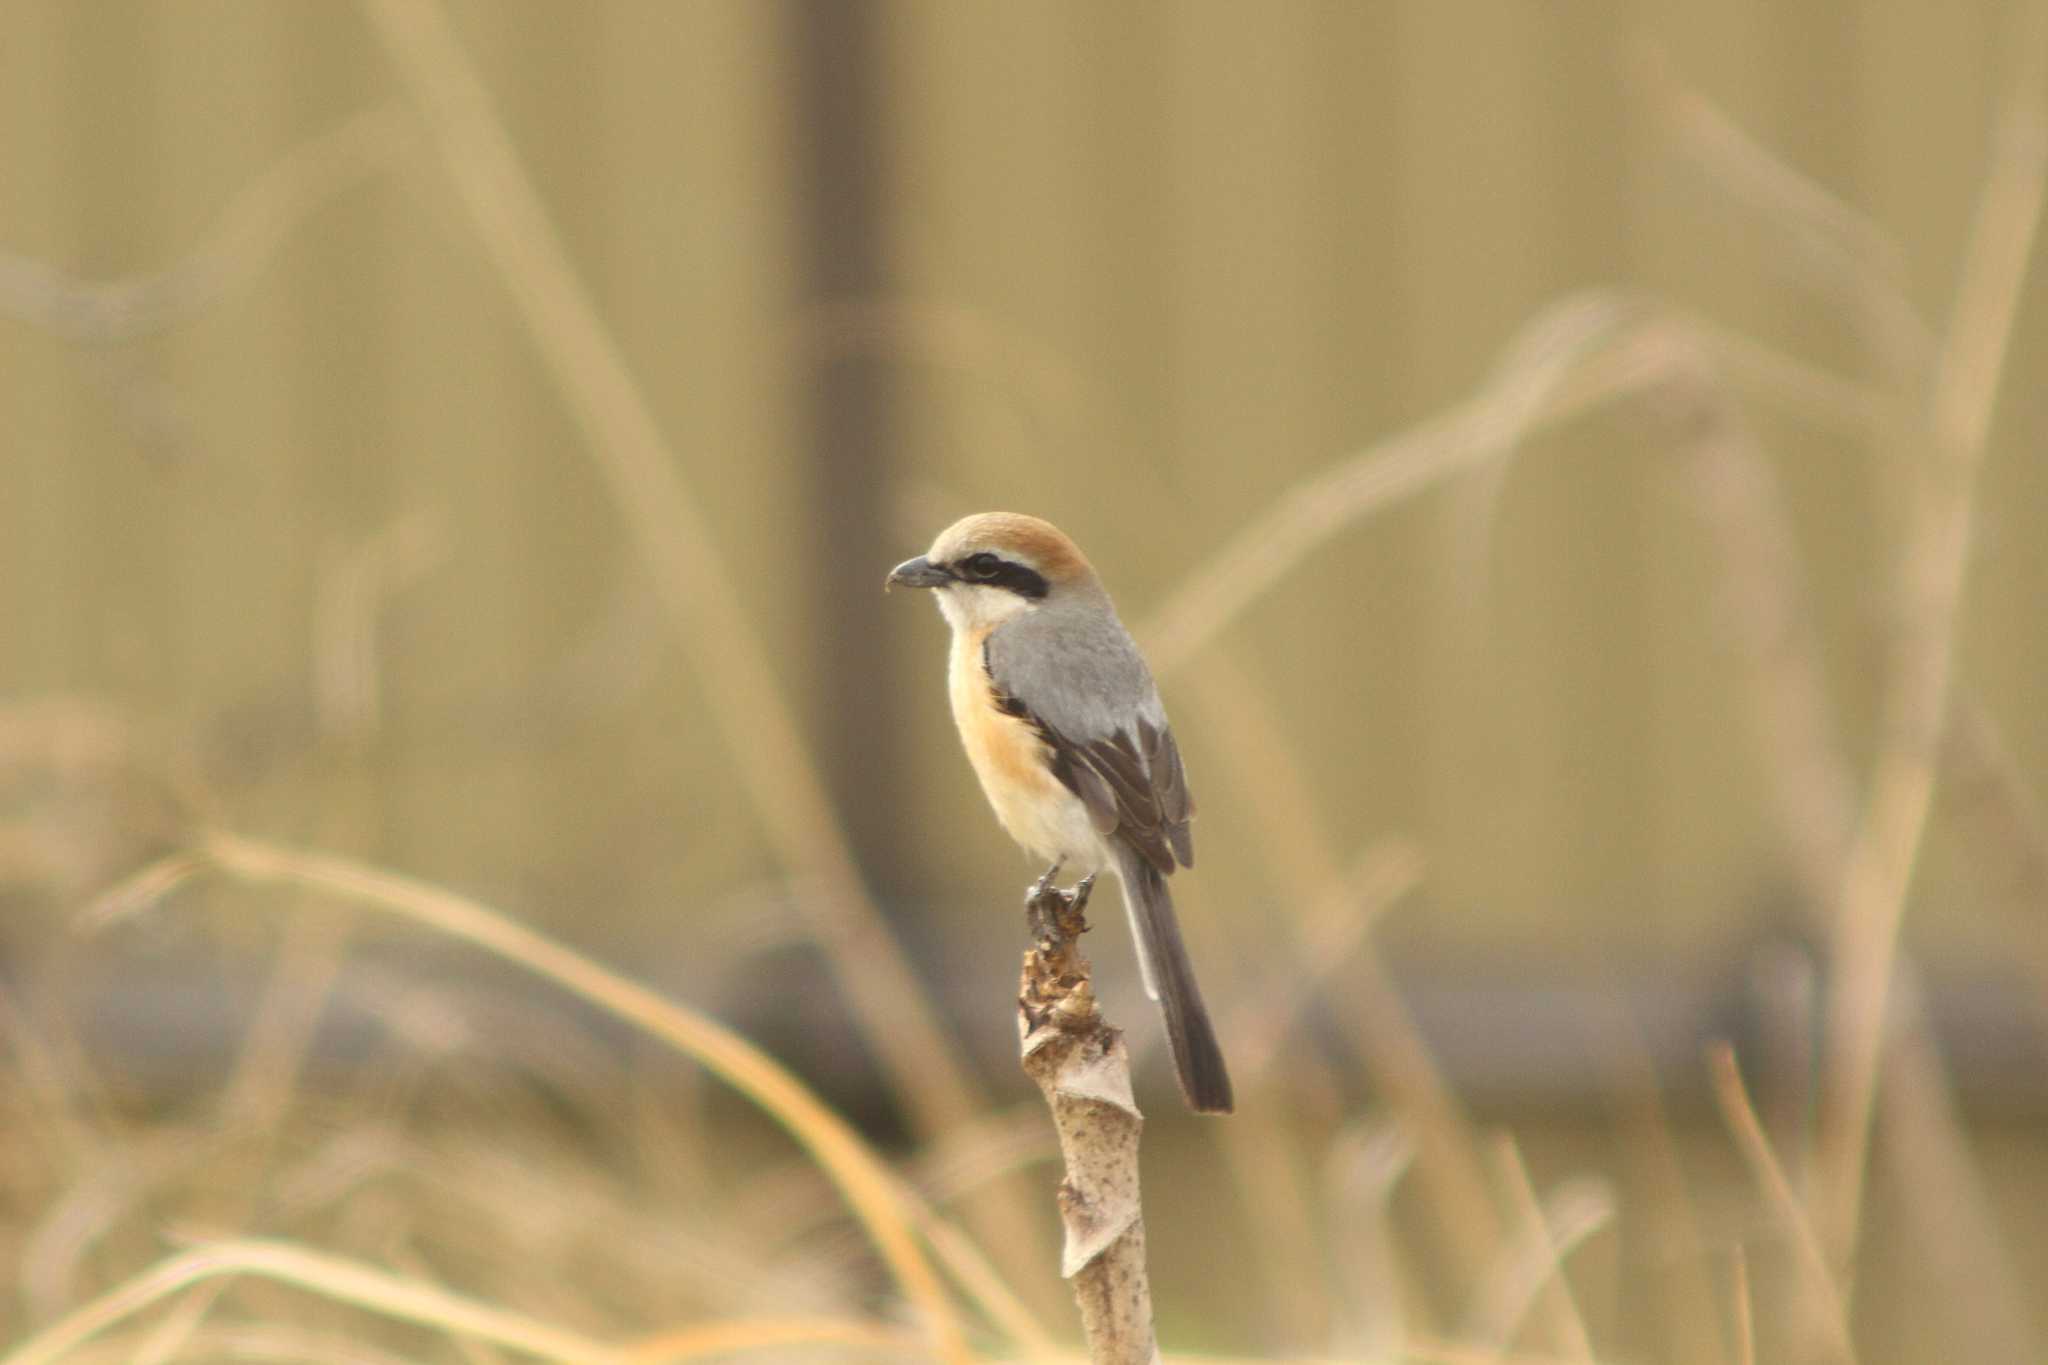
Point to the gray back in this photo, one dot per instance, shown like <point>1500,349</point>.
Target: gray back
<point>1075,666</point>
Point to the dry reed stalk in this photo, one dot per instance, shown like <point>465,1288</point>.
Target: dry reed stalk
<point>1769,619</point>
<point>1743,1312</point>
<point>1079,1064</point>
<point>1968,369</point>
<point>745,696</point>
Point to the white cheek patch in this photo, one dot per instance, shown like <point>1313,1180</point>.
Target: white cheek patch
<point>972,606</point>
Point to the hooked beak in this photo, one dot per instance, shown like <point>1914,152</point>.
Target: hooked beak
<point>916,573</point>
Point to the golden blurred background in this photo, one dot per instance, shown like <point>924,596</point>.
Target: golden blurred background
<point>1575,469</point>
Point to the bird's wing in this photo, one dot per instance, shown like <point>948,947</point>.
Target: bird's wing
<point>1083,686</point>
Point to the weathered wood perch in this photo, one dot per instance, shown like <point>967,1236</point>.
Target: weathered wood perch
<point>1079,1063</point>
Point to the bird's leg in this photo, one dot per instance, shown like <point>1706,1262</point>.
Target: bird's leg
<point>1078,898</point>
<point>1042,902</point>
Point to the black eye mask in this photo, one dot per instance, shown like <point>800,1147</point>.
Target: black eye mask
<point>1002,573</point>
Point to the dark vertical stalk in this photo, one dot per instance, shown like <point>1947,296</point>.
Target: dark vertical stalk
<point>840,160</point>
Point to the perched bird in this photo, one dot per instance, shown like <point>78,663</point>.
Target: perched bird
<point>1067,734</point>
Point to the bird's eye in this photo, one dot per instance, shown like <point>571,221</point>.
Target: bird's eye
<point>983,565</point>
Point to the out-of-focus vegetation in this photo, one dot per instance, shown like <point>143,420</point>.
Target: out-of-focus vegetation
<point>1574,472</point>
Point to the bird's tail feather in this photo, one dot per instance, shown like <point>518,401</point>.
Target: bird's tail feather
<point>1170,979</point>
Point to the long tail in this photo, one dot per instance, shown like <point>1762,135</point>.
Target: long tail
<point>1170,979</point>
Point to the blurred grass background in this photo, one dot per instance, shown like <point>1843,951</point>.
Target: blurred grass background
<point>1576,470</point>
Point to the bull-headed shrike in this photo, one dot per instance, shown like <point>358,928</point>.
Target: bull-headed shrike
<point>1065,729</point>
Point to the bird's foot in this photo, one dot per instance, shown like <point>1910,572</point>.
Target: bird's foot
<point>1042,904</point>
<point>1055,915</point>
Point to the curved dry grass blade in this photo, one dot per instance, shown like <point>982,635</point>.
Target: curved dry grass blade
<point>237,245</point>
<point>1837,246</point>
<point>1533,1265</point>
<point>975,1155</point>
<point>331,1276</point>
<point>767,1334</point>
<point>1258,556</point>
<point>169,1337</point>
<point>973,1272</point>
<point>1768,617</point>
<point>269,1342</point>
<point>868,1186</point>
<point>747,701</point>
<point>1807,391</point>
<point>1740,1115</point>
<point>1541,359</point>
<point>54,1247</point>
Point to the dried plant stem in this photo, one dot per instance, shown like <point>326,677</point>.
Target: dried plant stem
<point>1968,370</point>
<point>1079,1063</point>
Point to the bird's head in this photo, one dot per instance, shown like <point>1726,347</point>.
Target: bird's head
<point>991,566</point>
